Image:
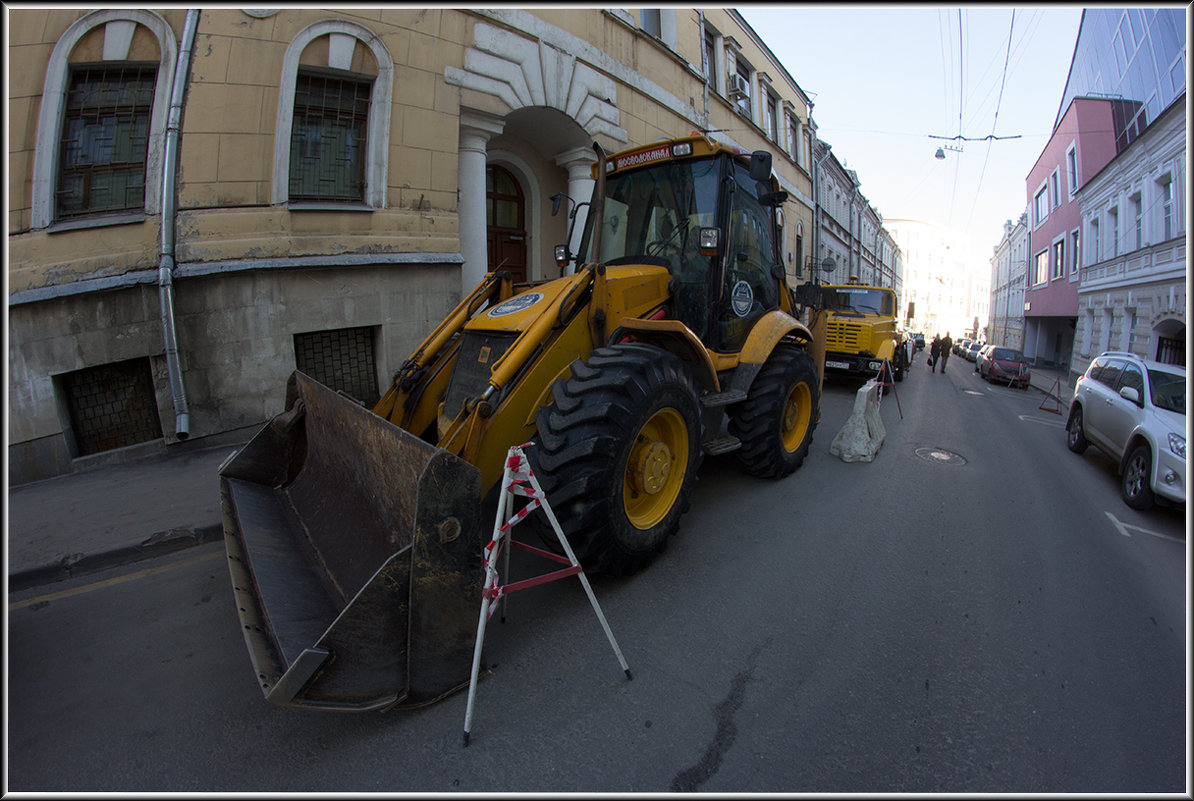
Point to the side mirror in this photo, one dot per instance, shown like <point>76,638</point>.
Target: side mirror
<point>1130,393</point>
<point>760,165</point>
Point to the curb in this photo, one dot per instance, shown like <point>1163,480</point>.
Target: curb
<point>160,544</point>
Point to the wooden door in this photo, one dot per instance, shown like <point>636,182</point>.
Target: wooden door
<point>505,219</point>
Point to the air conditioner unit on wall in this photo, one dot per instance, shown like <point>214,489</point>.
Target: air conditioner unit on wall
<point>738,86</point>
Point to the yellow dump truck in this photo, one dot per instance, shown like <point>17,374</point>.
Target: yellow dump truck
<point>861,335</point>
<point>355,536</point>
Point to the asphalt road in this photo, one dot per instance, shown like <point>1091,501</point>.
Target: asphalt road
<point>974,611</point>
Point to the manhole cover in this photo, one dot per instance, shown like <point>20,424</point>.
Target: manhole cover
<point>940,456</point>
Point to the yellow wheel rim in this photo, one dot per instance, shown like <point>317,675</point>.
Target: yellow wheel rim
<point>655,470</point>
<point>795,419</point>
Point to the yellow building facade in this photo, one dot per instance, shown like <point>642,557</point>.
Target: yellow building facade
<point>202,201</point>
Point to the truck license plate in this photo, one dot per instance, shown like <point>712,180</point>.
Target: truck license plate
<point>837,365</point>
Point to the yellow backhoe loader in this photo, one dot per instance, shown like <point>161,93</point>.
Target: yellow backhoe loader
<point>355,538</point>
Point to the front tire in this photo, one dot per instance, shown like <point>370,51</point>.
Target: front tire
<point>777,419</point>
<point>1136,482</point>
<point>619,448</point>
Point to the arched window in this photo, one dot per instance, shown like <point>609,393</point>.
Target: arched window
<point>102,123</point>
<point>333,133</point>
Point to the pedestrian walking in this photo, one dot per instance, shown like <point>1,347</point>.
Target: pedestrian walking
<point>946,344</point>
<point>934,352</point>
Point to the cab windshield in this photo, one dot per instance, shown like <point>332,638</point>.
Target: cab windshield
<point>858,300</point>
<point>652,215</point>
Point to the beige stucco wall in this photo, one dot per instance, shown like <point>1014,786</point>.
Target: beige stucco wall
<point>249,273</point>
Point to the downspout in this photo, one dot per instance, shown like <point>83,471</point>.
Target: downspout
<point>169,211</point>
<point>706,67</point>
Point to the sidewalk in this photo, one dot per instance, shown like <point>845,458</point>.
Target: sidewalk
<point>112,515</point>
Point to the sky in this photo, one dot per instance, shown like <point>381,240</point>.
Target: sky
<point>884,80</point>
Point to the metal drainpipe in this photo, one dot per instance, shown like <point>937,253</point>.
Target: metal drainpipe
<point>169,211</point>
<point>705,66</point>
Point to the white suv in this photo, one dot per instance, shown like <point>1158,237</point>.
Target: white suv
<point>1134,410</point>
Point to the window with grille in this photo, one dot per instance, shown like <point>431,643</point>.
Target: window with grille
<point>105,139</point>
<point>327,140</point>
<point>341,359</point>
<point>111,406</point>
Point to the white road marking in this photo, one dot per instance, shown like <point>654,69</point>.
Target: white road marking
<point>1027,418</point>
<point>1123,529</point>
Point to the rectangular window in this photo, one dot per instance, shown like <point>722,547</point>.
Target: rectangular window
<point>1055,189</point>
<point>105,139</point>
<point>742,88</point>
<point>771,117</point>
<point>1040,207</point>
<point>1071,167</point>
<point>710,56</point>
<point>1074,262</point>
<point>1165,196</point>
<point>1042,268</point>
<point>1113,231</point>
<point>1137,220</point>
<point>327,141</point>
<point>650,22</point>
<point>1095,243</point>
<point>111,406</point>
<point>1058,258</point>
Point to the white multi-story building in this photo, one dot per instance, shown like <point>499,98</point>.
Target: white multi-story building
<point>1009,270</point>
<point>1132,295</point>
<point>948,288</point>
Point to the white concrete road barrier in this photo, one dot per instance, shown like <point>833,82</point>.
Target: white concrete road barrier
<point>863,434</point>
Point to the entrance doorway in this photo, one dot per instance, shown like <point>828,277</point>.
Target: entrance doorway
<point>505,220</point>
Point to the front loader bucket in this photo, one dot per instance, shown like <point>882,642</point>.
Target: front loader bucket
<point>355,550</point>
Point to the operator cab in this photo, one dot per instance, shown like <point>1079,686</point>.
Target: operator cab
<point>707,215</point>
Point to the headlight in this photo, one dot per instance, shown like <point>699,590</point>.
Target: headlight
<point>1177,444</point>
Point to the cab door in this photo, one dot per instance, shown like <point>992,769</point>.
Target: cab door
<point>749,288</point>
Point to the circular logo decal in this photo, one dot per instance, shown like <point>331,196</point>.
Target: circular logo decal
<point>516,304</point>
<point>742,297</point>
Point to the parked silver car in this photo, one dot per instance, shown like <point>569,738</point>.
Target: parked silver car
<point>1134,410</point>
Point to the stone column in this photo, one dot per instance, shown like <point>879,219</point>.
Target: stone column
<point>476,129</point>
<point>579,163</point>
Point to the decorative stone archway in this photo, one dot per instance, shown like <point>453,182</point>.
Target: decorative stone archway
<point>504,72</point>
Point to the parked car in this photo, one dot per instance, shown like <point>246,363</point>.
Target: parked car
<point>1134,410</point>
<point>920,341</point>
<point>971,352</point>
<point>979,356</point>
<point>960,345</point>
<point>997,363</point>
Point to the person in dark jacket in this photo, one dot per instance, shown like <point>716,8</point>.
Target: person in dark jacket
<point>934,352</point>
<point>946,344</point>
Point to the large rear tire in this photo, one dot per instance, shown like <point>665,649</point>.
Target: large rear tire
<point>619,448</point>
<point>777,419</point>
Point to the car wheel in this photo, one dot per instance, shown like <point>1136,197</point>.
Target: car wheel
<point>1137,478</point>
<point>1075,438</point>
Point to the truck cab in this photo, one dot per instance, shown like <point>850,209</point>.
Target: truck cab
<point>861,331</point>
